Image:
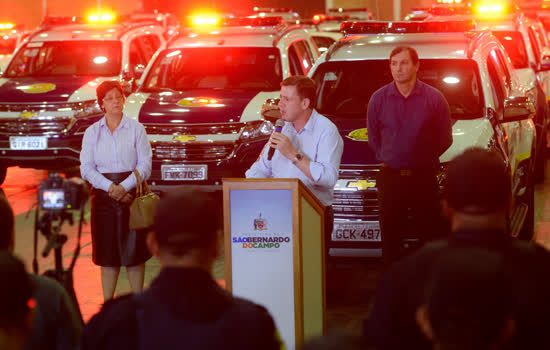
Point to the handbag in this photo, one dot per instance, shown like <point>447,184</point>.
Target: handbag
<point>142,209</point>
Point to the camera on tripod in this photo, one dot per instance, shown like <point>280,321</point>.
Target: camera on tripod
<point>56,193</point>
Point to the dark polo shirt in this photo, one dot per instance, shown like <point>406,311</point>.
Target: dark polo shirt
<point>409,132</point>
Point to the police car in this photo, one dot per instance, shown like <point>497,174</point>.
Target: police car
<point>489,108</point>
<point>47,92</point>
<point>201,96</point>
<point>531,60</point>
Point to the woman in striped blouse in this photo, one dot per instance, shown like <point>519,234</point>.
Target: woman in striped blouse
<point>112,149</point>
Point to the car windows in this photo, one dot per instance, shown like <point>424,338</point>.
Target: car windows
<point>515,46</point>
<point>142,49</point>
<point>534,44</point>
<point>300,58</point>
<point>66,58</point>
<point>256,68</point>
<point>497,84</point>
<point>323,42</point>
<point>346,86</point>
<point>500,59</point>
<point>294,62</point>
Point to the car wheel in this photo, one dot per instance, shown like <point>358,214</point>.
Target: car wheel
<point>528,229</point>
<point>3,172</point>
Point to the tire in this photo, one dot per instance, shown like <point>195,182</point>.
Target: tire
<point>528,229</point>
<point>3,172</point>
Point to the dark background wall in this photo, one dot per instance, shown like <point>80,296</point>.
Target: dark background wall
<point>29,12</point>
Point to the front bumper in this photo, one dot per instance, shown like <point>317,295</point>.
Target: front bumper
<point>233,162</point>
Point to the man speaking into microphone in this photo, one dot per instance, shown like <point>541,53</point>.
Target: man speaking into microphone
<point>308,146</point>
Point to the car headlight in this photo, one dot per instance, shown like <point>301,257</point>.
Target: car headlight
<point>89,109</point>
<point>84,114</point>
<point>257,130</point>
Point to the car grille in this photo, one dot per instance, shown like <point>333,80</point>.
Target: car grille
<point>192,152</point>
<point>348,203</point>
<point>197,129</point>
<point>34,126</point>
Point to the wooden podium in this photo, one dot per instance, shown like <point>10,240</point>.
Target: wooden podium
<point>274,252</point>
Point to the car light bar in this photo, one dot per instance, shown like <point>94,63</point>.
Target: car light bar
<point>271,9</point>
<point>343,9</point>
<point>252,21</point>
<point>61,20</point>
<point>379,27</point>
<point>6,26</point>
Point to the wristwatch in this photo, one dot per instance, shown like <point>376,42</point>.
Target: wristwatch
<point>298,157</point>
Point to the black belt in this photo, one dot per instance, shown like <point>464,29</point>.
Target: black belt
<point>117,177</point>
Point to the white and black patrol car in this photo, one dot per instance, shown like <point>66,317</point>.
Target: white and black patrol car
<point>201,96</point>
<point>489,109</point>
<point>47,92</point>
<point>521,37</point>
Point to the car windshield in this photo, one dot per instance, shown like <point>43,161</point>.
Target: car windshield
<point>515,46</point>
<point>346,86</point>
<point>250,68</point>
<point>67,58</point>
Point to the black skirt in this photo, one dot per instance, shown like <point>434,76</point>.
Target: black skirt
<point>113,243</point>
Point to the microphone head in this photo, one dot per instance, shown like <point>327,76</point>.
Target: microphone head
<point>279,125</point>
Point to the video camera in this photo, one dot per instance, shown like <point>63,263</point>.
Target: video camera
<point>57,193</point>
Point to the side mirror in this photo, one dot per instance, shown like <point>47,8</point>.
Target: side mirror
<point>270,110</point>
<point>518,108</point>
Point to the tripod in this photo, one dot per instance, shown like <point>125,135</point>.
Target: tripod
<point>50,226</point>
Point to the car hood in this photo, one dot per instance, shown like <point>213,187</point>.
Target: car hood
<point>194,106</point>
<point>36,90</point>
<point>466,133</point>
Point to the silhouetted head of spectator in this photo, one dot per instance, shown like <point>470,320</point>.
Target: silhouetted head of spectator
<point>16,303</point>
<point>7,226</point>
<point>477,190</point>
<point>467,301</point>
<point>187,227</point>
<point>478,182</point>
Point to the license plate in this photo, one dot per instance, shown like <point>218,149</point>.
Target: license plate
<point>356,232</point>
<point>28,142</point>
<point>183,172</point>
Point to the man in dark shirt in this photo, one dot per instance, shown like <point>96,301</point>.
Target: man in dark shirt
<point>57,324</point>
<point>184,307</point>
<point>409,127</point>
<point>477,200</point>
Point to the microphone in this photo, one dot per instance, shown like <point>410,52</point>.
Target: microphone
<point>278,127</point>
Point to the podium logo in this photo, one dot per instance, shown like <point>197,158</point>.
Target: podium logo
<point>260,224</point>
<point>261,242</point>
